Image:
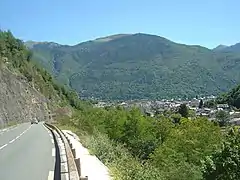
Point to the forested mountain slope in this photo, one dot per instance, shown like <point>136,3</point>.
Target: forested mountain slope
<point>136,66</point>
<point>232,97</point>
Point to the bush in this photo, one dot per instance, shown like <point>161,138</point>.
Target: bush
<point>224,164</point>
<point>122,164</point>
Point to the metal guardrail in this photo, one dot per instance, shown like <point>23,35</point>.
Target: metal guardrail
<point>57,168</point>
<point>73,163</point>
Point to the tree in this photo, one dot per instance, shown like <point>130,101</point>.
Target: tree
<point>183,110</point>
<point>176,117</point>
<point>29,55</point>
<point>222,118</point>
<point>200,104</point>
<point>231,98</point>
<point>185,146</point>
<point>210,104</point>
<point>224,164</point>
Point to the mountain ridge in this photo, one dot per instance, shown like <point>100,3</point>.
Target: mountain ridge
<point>140,66</point>
<point>111,37</point>
<point>235,48</point>
<point>116,36</point>
<point>220,47</point>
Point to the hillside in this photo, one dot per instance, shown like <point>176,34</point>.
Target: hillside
<point>233,48</point>
<point>139,66</point>
<point>232,97</point>
<point>27,90</point>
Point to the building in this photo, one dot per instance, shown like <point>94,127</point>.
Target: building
<point>222,106</point>
<point>235,121</point>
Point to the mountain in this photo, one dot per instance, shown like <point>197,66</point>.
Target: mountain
<point>110,38</point>
<point>137,66</point>
<point>220,47</point>
<point>234,48</point>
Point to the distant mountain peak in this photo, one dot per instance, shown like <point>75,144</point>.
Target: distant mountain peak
<point>31,44</point>
<point>220,47</point>
<point>235,47</point>
<point>232,48</point>
<point>110,38</point>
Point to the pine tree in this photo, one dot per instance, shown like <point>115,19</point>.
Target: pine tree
<point>200,104</point>
<point>183,110</point>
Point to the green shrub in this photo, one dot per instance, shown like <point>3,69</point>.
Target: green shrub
<point>122,164</point>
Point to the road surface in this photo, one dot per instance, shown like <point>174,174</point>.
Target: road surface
<point>26,153</point>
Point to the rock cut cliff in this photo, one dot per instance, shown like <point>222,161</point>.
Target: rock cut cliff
<point>19,102</point>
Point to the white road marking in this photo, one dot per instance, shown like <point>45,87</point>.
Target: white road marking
<point>3,146</point>
<point>14,138</point>
<point>50,175</point>
<point>52,141</point>
<point>53,152</point>
<point>18,136</point>
<point>49,132</point>
<point>12,141</point>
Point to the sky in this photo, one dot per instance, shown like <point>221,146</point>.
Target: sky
<point>199,22</point>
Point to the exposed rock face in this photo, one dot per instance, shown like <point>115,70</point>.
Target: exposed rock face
<point>19,102</point>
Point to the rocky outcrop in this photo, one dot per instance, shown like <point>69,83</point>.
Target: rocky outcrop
<point>19,102</point>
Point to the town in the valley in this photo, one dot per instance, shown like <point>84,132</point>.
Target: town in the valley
<point>153,108</point>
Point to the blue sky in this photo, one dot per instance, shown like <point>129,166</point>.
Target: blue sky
<point>205,22</point>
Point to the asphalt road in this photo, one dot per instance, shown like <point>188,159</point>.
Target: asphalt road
<point>26,153</point>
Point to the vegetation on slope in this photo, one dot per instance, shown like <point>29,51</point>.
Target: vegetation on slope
<point>232,97</point>
<point>224,164</point>
<point>17,58</point>
<point>140,66</point>
<point>135,146</point>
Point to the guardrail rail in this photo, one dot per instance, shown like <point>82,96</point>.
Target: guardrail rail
<point>73,170</point>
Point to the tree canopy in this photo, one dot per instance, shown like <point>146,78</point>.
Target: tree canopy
<point>183,110</point>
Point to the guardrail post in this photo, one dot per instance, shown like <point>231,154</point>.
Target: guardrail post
<point>68,140</point>
<point>77,162</point>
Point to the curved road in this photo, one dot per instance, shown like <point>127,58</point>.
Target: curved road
<point>26,153</point>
